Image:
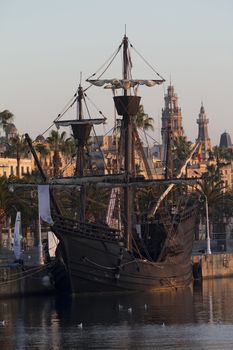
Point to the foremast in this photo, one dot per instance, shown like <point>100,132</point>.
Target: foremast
<point>81,129</point>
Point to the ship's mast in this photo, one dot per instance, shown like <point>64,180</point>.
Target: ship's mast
<point>127,125</point>
<point>127,106</point>
<point>80,156</point>
<point>81,129</point>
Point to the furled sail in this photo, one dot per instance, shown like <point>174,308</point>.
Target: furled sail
<point>124,84</point>
<point>44,203</point>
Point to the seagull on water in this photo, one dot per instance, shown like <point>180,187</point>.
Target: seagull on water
<point>120,307</point>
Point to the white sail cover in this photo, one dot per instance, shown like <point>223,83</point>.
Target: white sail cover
<point>124,84</point>
<point>44,203</point>
<point>17,236</point>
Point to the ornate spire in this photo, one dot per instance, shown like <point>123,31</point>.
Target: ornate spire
<point>171,118</point>
<point>203,137</point>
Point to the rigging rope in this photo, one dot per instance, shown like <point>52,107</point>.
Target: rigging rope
<point>113,56</point>
<point>26,274</point>
<point>68,105</point>
<point>94,105</point>
<point>149,65</point>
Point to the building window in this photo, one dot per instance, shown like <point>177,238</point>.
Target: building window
<point>12,170</point>
<point>22,170</point>
<point>28,170</point>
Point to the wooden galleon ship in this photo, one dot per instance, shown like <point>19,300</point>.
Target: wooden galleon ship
<point>150,253</point>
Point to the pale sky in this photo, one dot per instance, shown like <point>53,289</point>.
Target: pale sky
<point>45,44</point>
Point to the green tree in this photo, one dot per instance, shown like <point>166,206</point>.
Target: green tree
<point>221,154</point>
<point>42,150</point>
<point>68,148</point>
<point>17,200</point>
<point>18,148</point>
<point>7,200</point>
<point>219,198</point>
<point>56,143</point>
<point>181,151</point>
<point>6,117</point>
<point>143,121</point>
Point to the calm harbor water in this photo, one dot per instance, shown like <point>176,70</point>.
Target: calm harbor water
<point>201,318</point>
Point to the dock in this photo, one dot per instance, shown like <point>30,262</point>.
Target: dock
<point>27,277</point>
<point>216,265</point>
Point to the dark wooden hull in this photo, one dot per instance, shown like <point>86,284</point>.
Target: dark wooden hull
<point>103,265</point>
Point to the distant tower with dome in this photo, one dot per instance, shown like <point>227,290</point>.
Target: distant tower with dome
<point>225,140</point>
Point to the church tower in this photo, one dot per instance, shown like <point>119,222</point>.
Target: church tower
<point>203,137</point>
<point>171,120</point>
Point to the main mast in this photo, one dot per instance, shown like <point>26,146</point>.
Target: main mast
<point>80,145</point>
<point>127,127</point>
<point>127,106</point>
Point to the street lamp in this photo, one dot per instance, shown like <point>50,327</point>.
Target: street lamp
<point>208,250</point>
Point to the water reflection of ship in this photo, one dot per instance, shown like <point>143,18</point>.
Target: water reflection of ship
<point>191,318</point>
<point>168,307</point>
<point>209,302</point>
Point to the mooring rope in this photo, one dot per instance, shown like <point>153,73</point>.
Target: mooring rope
<point>26,274</point>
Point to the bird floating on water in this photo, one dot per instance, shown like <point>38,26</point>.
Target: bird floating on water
<point>80,325</point>
<point>120,307</point>
<point>2,323</point>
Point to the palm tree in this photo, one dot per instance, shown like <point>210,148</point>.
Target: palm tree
<point>6,202</point>
<point>6,197</point>
<point>42,149</point>
<point>6,117</point>
<point>212,189</point>
<point>143,121</point>
<point>68,148</point>
<point>181,151</point>
<point>19,199</point>
<point>56,143</point>
<point>17,147</point>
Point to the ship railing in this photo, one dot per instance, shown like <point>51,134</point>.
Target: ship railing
<point>91,230</point>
